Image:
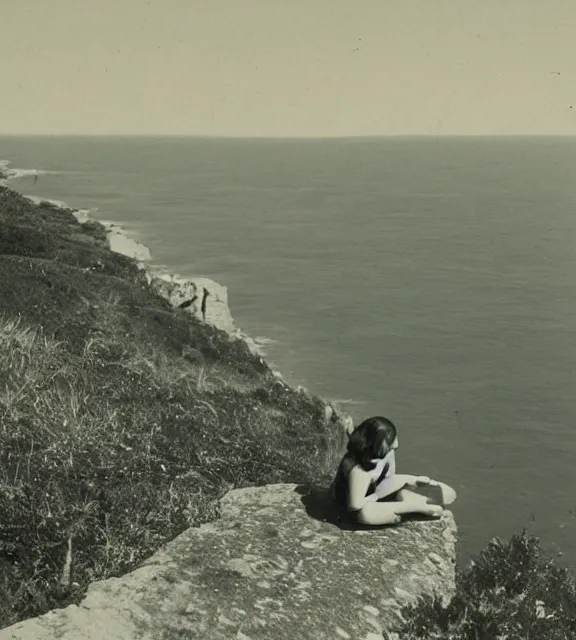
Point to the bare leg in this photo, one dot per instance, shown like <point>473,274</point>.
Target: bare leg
<point>379,513</point>
<point>382,513</point>
<point>394,484</point>
<point>411,502</point>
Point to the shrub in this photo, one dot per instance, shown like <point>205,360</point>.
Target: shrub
<point>511,591</point>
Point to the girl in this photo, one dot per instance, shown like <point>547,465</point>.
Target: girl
<point>366,482</point>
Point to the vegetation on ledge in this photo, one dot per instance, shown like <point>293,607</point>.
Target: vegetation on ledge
<point>512,591</point>
<point>122,421</point>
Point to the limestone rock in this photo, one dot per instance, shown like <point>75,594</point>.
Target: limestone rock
<point>279,564</point>
<point>120,242</point>
<point>204,298</point>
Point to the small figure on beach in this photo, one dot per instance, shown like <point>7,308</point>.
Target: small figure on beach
<point>35,178</point>
<point>366,482</point>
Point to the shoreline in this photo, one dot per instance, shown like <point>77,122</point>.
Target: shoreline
<point>120,241</point>
<point>170,285</point>
<point>517,568</point>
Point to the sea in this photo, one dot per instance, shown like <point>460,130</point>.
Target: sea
<point>429,280</point>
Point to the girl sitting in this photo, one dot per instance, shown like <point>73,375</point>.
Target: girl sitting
<point>367,484</point>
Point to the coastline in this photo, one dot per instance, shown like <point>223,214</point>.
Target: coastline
<point>153,425</point>
<point>172,284</point>
<point>177,289</point>
<point>284,425</point>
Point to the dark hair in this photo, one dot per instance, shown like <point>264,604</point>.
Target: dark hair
<point>366,441</point>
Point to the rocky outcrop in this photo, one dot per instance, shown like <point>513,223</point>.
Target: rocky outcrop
<point>279,564</point>
<point>204,298</point>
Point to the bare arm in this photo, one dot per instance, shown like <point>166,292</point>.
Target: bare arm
<point>359,481</point>
<point>396,482</point>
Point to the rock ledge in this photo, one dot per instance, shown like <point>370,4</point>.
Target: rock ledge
<point>279,564</point>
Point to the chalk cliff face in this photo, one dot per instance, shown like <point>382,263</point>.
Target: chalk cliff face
<point>279,564</point>
<point>204,298</point>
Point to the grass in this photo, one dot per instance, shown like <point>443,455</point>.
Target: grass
<point>122,421</point>
<point>118,449</point>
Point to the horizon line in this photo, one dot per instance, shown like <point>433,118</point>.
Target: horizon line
<point>265,137</point>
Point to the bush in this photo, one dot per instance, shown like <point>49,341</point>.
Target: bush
<point>512,591</point>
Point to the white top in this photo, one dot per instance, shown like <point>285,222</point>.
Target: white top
<point>382,488</point>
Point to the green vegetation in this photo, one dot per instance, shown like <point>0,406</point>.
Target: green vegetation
<point>122,421</point>
<point>511,592</point>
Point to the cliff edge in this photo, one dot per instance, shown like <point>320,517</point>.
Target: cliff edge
<point>143,436</point>
<point>276,564</point>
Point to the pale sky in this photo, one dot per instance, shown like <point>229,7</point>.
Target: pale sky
<point>288,67</point>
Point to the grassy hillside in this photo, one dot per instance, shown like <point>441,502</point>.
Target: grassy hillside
<point>122,421</point>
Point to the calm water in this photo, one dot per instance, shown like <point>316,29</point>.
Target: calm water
<point>429,280</point>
